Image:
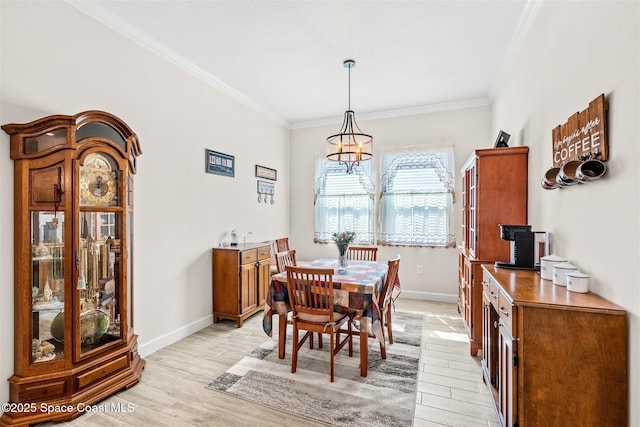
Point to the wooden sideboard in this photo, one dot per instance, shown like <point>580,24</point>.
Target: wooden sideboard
<point>552,357</point>
<point>241,276</point>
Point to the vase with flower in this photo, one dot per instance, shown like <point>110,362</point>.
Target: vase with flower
<point>343,239</point>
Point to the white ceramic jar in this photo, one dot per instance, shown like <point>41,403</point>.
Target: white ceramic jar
<point>547,263</point>
<point>560,273</point>
<point>577,281</point>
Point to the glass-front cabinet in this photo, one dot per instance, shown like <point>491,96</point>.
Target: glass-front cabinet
<point>73,306</point>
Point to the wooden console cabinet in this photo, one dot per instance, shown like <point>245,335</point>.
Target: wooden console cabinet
<point>552,357</point>
<point>494,191</point>
<point>241,276</point>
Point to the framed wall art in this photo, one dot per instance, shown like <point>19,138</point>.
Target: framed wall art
<point>219,163</point>
<point>266,173</point>
<point>502,140</point>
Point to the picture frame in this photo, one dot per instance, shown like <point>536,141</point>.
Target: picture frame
<point>266,173</point>
<point>219,163</point>
<point>502,140</point>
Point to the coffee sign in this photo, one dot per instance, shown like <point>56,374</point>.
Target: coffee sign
<point>583,135</point>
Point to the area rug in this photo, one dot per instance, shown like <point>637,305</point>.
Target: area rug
<point>386,397</point>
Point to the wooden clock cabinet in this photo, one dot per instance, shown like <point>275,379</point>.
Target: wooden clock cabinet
<point>494,191</point>
<point>73,263</point>
<point>241,276</point>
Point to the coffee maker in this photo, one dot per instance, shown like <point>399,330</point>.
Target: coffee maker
<point>527,247</point>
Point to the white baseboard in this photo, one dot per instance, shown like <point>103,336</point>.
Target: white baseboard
<point>193,327</point>
<point>176,335</point>
<point>429,296</point>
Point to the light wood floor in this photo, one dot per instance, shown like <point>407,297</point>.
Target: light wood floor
<point>172,390</point>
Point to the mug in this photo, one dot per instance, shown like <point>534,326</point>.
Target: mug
<point>590,170</point>
<point>549,181</point>
<point>567,175</point>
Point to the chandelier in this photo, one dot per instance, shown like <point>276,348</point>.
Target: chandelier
<point>350,146</point>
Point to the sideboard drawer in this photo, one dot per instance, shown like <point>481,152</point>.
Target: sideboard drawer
<point>102,371</point>
<point>247,257</point>
<point>264,252</point>
<point>493,292</point>
<point>505,311</point>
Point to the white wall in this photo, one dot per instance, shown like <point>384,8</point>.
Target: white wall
<point>465,129</point>
<point>576,51</point>
<point>55,60</point>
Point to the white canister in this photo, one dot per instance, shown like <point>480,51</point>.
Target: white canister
<point>547,263</point>
<point>577,281</point>
<point>560,273</point>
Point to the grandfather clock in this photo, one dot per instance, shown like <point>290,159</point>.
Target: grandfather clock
<point>73,265</point>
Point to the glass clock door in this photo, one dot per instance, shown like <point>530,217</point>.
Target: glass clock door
<point>99,260</point>
<point>98,287</point>
<point>47,286</point>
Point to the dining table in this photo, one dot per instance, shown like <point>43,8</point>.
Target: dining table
<point>356,292</point>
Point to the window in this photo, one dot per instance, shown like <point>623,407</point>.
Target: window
<point>343,202</point>
<point>107,224</point>
<point>416,197</point>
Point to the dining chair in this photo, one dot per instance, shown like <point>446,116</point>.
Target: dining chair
<point>362,253</point>
<point>286,258</point>
<point>311,296</point>
<point>386,301</point>
<point>277,245</point>
<point>282,244</point>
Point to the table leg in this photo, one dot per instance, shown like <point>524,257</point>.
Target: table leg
<point>282,335</point>
<point>364,353</point>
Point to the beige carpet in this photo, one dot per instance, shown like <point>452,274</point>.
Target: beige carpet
<point>386,397</point>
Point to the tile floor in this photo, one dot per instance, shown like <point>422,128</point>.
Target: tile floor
<point>451,391</point>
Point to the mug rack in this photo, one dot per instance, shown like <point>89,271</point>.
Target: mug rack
<point>580,147</point>
<point>266,190</point>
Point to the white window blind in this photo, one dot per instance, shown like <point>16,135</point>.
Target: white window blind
<point>416,197</point>
<point>343,202</point>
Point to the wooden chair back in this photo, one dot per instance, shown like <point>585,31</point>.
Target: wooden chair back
<point>277,245</point>
<point>389,283</point>
<point>310,291</point>
<point>363,253</point>
<point>286,258</point>
<point>282,244</point>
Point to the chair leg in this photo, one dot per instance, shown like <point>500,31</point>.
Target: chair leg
<point>389,328</point>
<point>332,352</point>
<point>350,329</point>
<point>294,354</point>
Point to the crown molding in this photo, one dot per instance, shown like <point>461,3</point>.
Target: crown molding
<point>515,44</point>
<point>105,17</point>
<point>101,14</point>
<point>400,112</point>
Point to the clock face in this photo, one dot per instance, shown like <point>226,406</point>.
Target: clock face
<point>97,186</point>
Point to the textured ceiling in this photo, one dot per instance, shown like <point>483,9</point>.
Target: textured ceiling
<point>284,58</point>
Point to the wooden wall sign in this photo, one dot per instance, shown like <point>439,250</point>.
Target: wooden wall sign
<point>584,134</point>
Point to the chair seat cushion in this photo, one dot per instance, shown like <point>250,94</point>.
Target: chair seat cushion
<point>315,318</point>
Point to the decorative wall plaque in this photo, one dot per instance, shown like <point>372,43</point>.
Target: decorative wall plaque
<point>583,135</point>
